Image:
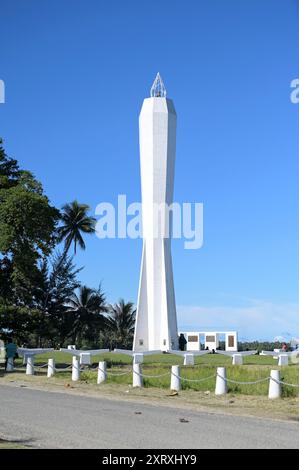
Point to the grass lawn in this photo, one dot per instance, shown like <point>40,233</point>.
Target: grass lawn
<point>254,368</point>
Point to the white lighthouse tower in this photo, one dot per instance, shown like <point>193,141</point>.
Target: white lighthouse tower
<point>156,322</point>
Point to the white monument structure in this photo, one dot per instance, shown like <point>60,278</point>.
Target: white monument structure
<point>211,340</point>
<point>156,322</point>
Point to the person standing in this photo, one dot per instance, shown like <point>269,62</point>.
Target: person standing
<point>182,342</point>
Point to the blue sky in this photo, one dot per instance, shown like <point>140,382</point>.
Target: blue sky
<point>76,73</point>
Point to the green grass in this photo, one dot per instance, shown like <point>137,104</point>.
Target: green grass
<point>254,368</point>
<point>114,359</point>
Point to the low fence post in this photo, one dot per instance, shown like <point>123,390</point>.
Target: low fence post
<point>188,359</point>
<point>274,385</point>
<point>221,385</point>
<point>51,368</point>
<point>9,365</point>
<point>138,358</point>
<point>175,381</point>
<point>102,372</point>
<point>137,375</point>
<point>30,365</point>
<point>75,369</point>
<point>283,360</point>
<point>237,360</point>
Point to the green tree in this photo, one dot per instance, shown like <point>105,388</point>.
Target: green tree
<point>27,231</point>
<point>120,323</point>
<point>86,308</point>
<point>59,283</point>
<point>20,322</point>
<point>76,222</point>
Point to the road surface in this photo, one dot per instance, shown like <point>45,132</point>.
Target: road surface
<point>62,420</point>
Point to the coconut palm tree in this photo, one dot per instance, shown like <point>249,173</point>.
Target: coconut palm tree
<point>120,322</point>
<point>76,222</point>
<point>86,308</point>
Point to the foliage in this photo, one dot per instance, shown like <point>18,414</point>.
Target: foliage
<point>38,302</point>
<point>120,324</point>
<point>86,310</point>
<point>75,222</point>
<point>27,231</point>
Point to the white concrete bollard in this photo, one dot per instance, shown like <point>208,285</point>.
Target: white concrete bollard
<point>274,385</point>
<point>102,372</point>
<point>51,368</point>
<point>237,360</point>
<point>9,365</point>
<point>137,377</point>
<point>175,381</point>
<point>75,369</point>
<point>30,365</point>
<point>188,359</point>
<point>24,360</point>
<point>138,358</point>
<point>221,384</point>
<point>283,360</point>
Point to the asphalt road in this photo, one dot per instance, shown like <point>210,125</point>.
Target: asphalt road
<point>62,420</point>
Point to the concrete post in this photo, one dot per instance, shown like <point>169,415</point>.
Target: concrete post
<point>175,381</point>
<point>9,365</point>
<point>274,385</point>
<point>221,385</point>
<point>75,369</point>
<point>188,359</point>
<point>51,368</point>
<point>102,372</point>
<point>137,377</point>
<point>138,358</point>
<point>283,360</point>
<point>30,365</point>
<point>237,360</point>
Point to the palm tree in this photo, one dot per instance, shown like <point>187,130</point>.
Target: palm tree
<point>120,322</point>
<point>86,309</point>
<point>76,222</point>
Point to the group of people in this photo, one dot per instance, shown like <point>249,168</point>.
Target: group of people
<point>7,351</point>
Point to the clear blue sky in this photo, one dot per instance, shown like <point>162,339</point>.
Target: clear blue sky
<point>76,73</point>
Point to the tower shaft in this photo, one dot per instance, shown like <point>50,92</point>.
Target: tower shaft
<point>156,323</point>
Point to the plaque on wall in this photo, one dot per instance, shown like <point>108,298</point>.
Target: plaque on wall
<point>192,339</point>
<point>210,339</point>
